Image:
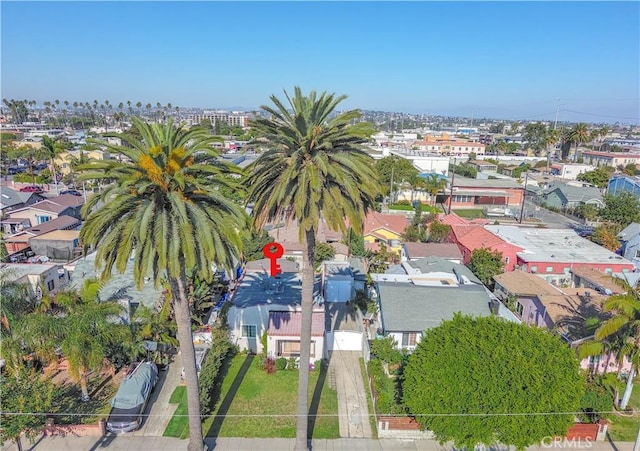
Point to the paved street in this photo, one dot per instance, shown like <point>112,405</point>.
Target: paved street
<point>553,220</point>
<point>124,443</point>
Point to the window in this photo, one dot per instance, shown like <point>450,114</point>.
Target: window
<point>567,270</point>
<point>608,270</point>
<point>43,219</point>
<point>519,308</point>
<point>638,253</point>
<point>288,348</point>
<point>534,269</point>
<point>409,339</point>
<point>506,259</point>
<point>249,331</point>
<point>549,268</point>
<point>50,285</point>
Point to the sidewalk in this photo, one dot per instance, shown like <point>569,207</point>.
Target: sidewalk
<point>126,443</point>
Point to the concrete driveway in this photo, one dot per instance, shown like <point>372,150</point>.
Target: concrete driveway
<point>158,409</point>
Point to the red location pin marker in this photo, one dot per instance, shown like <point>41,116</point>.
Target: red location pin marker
<point>273,251</point>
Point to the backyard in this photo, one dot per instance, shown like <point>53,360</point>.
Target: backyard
<point>625,428</point>
<point>252,403</point>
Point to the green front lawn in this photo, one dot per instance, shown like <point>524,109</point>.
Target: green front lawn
<point>252,403</point>
<point>625,428</point>
<point>470,213</point>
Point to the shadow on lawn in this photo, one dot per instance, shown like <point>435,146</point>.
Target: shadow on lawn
<point>214,430</point>
<point>315,401</point>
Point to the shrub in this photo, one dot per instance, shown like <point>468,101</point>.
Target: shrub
<point>269,365</point>
<point>211,367</point>
<point>281,364</point>
<point>384,349</point>
<point>292,364</point>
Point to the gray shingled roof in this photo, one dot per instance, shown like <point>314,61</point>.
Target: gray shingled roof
<point>119,286</point>
<point>411,308</point>
<point>439,264</point>
<point>576,193</point>
<point>10,197</point>
<point>629,231</point>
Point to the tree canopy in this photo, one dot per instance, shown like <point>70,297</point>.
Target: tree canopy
<point>485,381</point>
<point>403,171</point>
<point>623,209</point>
<point>598,177</point>
<point>485,264</point>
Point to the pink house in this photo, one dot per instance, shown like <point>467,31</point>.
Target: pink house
<point>540,304</point>
<point>471,237</point>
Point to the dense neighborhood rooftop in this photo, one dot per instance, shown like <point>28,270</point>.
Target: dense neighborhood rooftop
<point>561,245</point>
<point>406,306</point>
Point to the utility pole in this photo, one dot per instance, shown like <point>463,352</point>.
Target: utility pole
<point>524,195</point>
<point>555,124</point>
<point>391,187</point>
<point>453,178</point>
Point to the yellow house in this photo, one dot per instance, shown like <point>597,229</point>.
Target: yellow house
<point>385,228</point>
<point>63,161</point>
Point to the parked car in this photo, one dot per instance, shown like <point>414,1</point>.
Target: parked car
<point>131,399</point>
<point>201,353</point>
<point>31,189</point>
<point>71,191</point>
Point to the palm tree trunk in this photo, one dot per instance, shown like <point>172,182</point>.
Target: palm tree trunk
<point>628,389</point>
<point>84,385</point>
<point>305,342</point>
<point>55,177</point>
<point>183,321</point>
<point>19,443</point>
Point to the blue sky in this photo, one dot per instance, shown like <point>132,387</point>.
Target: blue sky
<point>494,59</point>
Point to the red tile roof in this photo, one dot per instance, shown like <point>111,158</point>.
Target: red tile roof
<point>475,236</point>
<point>394,223</point>
<point>452,219</point>
<point>290,323</point>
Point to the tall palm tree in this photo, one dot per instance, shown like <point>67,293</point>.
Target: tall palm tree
<point>625,321</point>
<point>550,138</point>
<point>164,209</point>
<point>315,168</point>
<point>603,132</point>
<point>51,149</point>
<point>434,185</point>
<point>579,134</point>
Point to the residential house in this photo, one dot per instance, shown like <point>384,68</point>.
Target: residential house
<point>540,304</point>
<point>554,253</point>
<point>588,278</point>
<point>283,334</point>
<point>257,295</point>
<point>483,193</point>
<point>21,240</point>
<point>385,228</point>
<point>288,235</point>
<point>622,183</point>
<point>570,171</point>
<point>11,226</point>
<point>51,208</point>
<point>613,159</point>
<point>471,237</point>
<point>415,251</point>
<point>11,199</point>
<point>41,278</point>
<point>483,166</point>
<point>120,287</point>
<point>565,196</point>
<point>57,244</point>
<point>418,295</point>
<point>630,239</point>
<point>444,146</point>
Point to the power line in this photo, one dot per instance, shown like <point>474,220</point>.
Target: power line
<point>601,115</point>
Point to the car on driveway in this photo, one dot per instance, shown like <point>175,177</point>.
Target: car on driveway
<point>31,189</point>
<point>131,399</point>
<point>71,191</point>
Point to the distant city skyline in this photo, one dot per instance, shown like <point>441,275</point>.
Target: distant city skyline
<point>502,60</point>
